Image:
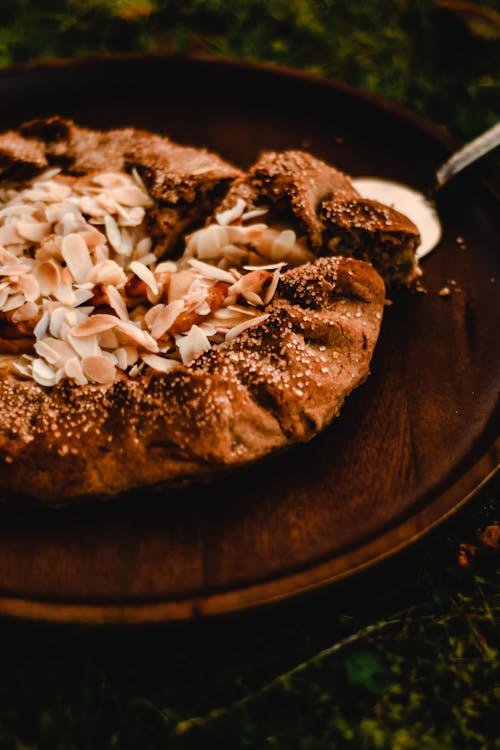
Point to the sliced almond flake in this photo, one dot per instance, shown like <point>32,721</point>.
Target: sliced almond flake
<point>132,355</point>
<point>132,217</point>
<point>76,254</point>
<point>126,244</point>
<point>43,373</point>
<point>14,269</point>
<point>7,258</point>
<point>18,209</point>
<point>117,302</point>
<point>285,240</point>
<point>64,293</point>
<point>254,213</point>
<point>240,309</point>
<point>4,295</point>
<point>271,289</point>
<point>49,174</point>
<point>91,207</point>
<point>143,248</point>
<point>54,212</point>
<point>94,325</point>
<point>85,347</point>
<point>138,179</point>
<point>108,340</point>
<point>29,287</point>
<point>210,241</point>
<point>225,264</point>
<point>72,318</point>
<point>234,254</point>
<point>73,369</point>
<point>226,217</point>
<point>93,238</point>
<point>194,343</point>
<point>134,372</point>
<point>108,203</point>
<point>152,314</point>
<point>145,275</point>
<point>234,332</point>
<point>226,313</point>
<point>101,254</point>
<point>167,266</point>
<point>108,272</point>
<point>166,318</point>
<point>110,356</point>
<point>28,311</point>
<point>210,272</point>
<point>113,233</point>
<point>42,325</point>
<point>264,245</point>
<point>208,328</point>
<point>131,196</point>
<point>33,231</point>
<point>83,295</point>
<point>98,369</point>
<point>270,267</point>
<point>57,191</point>
<point>121,358</point>
<point>149,259</point>
<point>15,301</point>
<point>9,235</point>
<point>160,364</point>
<point>244,235</point>
<point>252,297</point>
<point>23,369</point>
<point>69,222</point>
<point>49,249</point>
<point>203,308</point>
<point>111,179</point>
<point>36,194</point>
<point>137,335</point>
<point>64,330</point>
<point>45,350</point>
<point>63,350</point>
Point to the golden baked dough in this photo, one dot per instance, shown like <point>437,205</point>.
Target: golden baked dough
<point>136,387</point>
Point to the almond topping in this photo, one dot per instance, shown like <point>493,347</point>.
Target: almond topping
<point>98,369</point>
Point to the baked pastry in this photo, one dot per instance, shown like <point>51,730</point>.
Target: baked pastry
<point>322,206</point>
<point>128,360</point>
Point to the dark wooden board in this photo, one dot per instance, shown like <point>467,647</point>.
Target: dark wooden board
<point>410,446</point>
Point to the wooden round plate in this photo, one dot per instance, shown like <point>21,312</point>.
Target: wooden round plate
<point>409,447</point>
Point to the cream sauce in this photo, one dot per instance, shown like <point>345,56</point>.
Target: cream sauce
<point>407,201</point>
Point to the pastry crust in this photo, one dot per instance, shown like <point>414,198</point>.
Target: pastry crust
<point>278,383</point>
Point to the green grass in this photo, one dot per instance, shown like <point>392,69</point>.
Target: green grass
<point>404,49</point>
<point>404,657</point>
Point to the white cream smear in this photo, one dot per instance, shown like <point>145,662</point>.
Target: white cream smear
<point>407,201</point>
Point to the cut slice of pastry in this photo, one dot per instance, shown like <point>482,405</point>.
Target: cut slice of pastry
<point>327,214</point>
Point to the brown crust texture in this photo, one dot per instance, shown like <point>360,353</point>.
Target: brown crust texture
<point>322,203</point>
<point>276,384</point>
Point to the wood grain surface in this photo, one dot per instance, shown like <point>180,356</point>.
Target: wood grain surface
<point>409,447</point>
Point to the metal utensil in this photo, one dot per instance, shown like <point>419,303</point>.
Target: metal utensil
<point>467,155</point>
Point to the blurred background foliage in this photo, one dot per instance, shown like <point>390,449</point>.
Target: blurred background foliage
<point>439,57</point>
